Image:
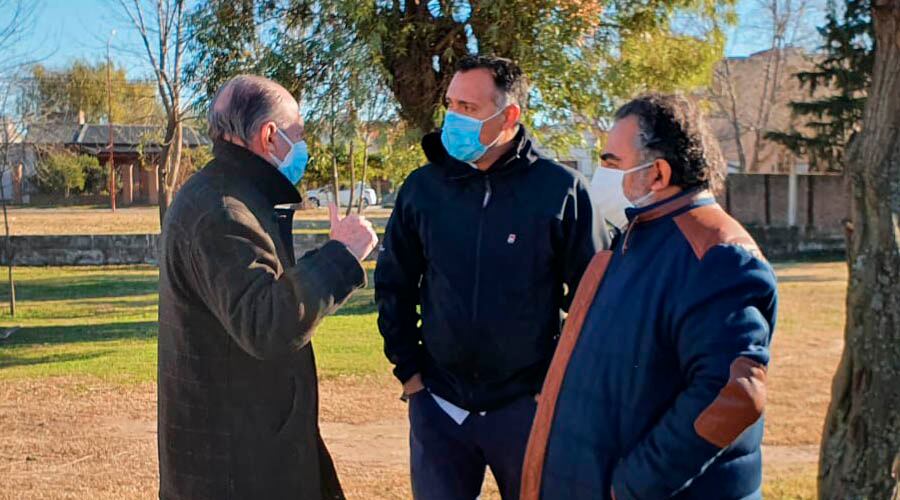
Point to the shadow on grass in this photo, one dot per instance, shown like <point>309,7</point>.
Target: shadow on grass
<point>82,333</point>
<point>362,302</point>
<point>357,308</point>
<point>85,287</point>
<point>9,361</point>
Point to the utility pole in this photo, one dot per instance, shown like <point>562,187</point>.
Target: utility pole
<point>109,125</point>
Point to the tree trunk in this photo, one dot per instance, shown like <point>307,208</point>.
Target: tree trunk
<point>170,165</point>
<point>335,179</point>
<point>365,171</point>
<point>9,253</point>
<point>413,38</point>
<point>773,95</point>
<point>352,175</point>
<point>733,115</point>
<point>862,431</point>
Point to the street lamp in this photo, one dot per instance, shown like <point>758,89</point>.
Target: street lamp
<point>109,125</point>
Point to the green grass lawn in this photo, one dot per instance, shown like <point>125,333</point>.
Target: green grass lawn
<point>101,322</point>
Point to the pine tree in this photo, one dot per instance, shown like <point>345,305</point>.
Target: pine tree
<point>846,68</point>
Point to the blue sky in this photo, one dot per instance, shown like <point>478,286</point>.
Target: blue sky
<point>70,29</point>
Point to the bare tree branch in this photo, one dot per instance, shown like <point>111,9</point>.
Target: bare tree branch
<point>168,19</point>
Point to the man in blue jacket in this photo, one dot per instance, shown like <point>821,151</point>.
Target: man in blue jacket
<point>658,386</point>
<point>485,240</point>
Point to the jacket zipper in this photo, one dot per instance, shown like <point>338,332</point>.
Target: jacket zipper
<point>484,204</point>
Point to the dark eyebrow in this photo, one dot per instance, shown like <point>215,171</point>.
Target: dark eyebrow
<point>460,101</point>
<point>609,156</point>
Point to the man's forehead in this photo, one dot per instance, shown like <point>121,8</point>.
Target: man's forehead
<point>475,86</point>
<point>223,100</point>
<point>620,139</point>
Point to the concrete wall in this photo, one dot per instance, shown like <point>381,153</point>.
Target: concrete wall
<point>786,243</point>
<point>109,249</point>
<point>746,199</point>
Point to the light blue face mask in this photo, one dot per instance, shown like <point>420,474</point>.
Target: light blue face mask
<point>461,136</point>
<point>293,166</point>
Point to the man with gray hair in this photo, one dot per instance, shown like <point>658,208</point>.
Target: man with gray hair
<point>238,403</point>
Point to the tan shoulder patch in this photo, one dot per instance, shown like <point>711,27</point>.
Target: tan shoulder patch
<point>708,226</point>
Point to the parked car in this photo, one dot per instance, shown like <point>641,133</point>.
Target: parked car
<point>321,197</point>
<point>389,200</point>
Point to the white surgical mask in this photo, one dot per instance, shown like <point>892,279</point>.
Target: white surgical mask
<point>609,193</point>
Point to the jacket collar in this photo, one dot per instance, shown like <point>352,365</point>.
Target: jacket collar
<point>241,163</point>
<point>680,203</point>
<point>523,148</point>
<point>690,198</point>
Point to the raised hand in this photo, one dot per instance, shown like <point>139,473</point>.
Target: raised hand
<point>354,231</point>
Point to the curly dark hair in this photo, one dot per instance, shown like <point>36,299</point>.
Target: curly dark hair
<point>672,127</point>
<point>512,86</point>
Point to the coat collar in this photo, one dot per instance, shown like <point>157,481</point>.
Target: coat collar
<point>680,203</point>
<point>690,198</point>
<point>241,163</point>
<point>523,148</point>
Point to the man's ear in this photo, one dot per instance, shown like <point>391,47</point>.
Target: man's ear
<point>663,178</point>
<point>512,115</point>
<point>267,137</point>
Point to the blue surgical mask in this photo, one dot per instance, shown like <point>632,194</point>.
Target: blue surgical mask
<point>293,166</point>
<point>461,136</point>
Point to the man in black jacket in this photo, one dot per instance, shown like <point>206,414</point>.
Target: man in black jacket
<point>489,240</point>
<point>238,402</point>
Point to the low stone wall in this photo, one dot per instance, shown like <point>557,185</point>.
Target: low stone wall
<point>106,250</point>
<point>378,222</point>
<point>99,250</point>
<point>778,243</point>
<point>791,243</point>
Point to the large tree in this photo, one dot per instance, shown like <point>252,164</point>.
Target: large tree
<point>307,47</point>
<point>846,69</point>
<point>862,430</point>
<point>82,87</point>
<point>581,55</point>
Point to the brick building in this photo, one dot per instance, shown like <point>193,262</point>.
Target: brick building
<point>135,151</point>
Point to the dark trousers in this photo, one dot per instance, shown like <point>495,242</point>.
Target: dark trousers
<point>448,460</point>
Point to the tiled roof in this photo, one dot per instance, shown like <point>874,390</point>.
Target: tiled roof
<point>96,136</point>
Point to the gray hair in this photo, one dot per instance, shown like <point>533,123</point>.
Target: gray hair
<point>243,104</point>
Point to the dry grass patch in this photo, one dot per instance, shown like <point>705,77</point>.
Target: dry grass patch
<point>805,351</point>
<point>132,220</point>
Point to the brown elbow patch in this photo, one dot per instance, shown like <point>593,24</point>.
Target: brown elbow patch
<point>738,406</point>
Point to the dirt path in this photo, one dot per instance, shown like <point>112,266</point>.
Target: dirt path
<point>76,439</point>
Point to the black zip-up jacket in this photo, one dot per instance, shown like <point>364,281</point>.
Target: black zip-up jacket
<point>477,269</point>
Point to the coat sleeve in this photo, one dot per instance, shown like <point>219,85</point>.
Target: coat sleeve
<point>585,234</point>
<point>401,263</point>
<point>721,335</point>
<point>267,312</point>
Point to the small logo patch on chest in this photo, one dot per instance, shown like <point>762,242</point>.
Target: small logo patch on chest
<point>511,238</point>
